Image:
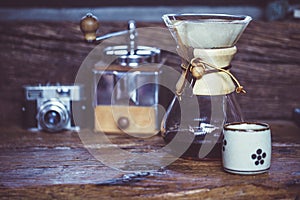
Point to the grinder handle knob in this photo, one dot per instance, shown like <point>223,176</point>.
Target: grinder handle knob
<point>89,25</point>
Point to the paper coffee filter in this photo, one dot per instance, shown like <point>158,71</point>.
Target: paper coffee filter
<point>206,31</point>
<point>208,35</point>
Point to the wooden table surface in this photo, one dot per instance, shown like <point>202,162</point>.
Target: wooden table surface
<point>48,166</point>
<point>58,166</point>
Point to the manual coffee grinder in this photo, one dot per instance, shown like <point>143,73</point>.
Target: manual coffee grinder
<point>205,92</point>
<point>126,87</point>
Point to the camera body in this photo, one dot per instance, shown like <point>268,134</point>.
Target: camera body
<point>50,107</point>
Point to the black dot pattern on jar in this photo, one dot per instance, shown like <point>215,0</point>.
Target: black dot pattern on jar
<point>224,144</point>
<point>258,151</point>
<point>259,157</point>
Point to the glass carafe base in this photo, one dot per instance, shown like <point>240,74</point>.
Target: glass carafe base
<point>198,121</point>
<point>193,150</point>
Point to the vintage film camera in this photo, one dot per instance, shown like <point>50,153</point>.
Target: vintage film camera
<point>50,107</point>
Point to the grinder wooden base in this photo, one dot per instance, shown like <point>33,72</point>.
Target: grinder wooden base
<point>128,119</point>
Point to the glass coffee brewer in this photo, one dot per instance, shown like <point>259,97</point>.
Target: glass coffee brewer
<point>205,92</point>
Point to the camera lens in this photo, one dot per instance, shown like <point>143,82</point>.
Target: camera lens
<point>52,118</point>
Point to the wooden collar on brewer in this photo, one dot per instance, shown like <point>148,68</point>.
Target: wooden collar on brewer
<point>198,68</point>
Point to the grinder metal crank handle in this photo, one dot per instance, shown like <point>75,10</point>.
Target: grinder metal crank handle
<point>89,25</point>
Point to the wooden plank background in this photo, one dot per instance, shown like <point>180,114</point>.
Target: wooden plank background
<point>267,63</point>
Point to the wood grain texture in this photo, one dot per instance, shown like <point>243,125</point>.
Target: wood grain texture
<point>267,63</point>
<point>57,166</point>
